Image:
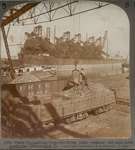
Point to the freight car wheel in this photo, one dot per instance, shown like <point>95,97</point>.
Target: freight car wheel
<point>105,108</point>
<point>95,112</point>
<point>110,107</point>
<point>79,116</point>
<point>70,119</point>
<point>73,118</point>
<point>100,110</point>
<point>85,115</point>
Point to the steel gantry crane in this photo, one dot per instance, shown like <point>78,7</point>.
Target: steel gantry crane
<point>8,18</point>
<point>14,15</point>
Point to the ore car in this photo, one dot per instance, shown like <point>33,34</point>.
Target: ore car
<point>72,107</point>
<point>68,106</point>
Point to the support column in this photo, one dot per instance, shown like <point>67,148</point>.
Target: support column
<point>12,72</point>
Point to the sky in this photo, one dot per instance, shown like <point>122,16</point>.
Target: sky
<point>93,23</point>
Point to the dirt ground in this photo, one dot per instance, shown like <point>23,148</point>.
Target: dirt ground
<point>113,124</point>
<point>113,81</point>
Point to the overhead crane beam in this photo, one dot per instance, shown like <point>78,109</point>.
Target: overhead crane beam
<point>62,17</point>
<point>18,13</point>
<point>51,10</point>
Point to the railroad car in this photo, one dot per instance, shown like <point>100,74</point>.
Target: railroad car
<point>76,104</point>
<point>66,106</point>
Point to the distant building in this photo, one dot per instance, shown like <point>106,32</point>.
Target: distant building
<point>91,39</point>
<point>48,33</point>
<point>77,37</point>
<point>66,36</point>
<point>38,30</point>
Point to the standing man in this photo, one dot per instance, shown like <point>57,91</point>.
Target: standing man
<point>83,77</point>
<point>76,75</point>
<point>75,79</point>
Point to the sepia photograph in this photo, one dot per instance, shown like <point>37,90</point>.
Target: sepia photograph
<point>65,71</point>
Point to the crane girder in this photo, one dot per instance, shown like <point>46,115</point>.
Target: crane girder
<point>17,12</point>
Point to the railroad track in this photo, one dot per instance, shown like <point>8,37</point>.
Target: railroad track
<point>123,101</point>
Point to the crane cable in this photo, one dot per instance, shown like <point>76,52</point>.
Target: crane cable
<point>79,18</point>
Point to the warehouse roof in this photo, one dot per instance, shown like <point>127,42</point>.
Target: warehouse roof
<point>25,78</point>
<point>34,77</point>
<point>45,75</point>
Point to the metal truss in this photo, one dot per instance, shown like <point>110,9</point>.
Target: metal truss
<point>51,10</point>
